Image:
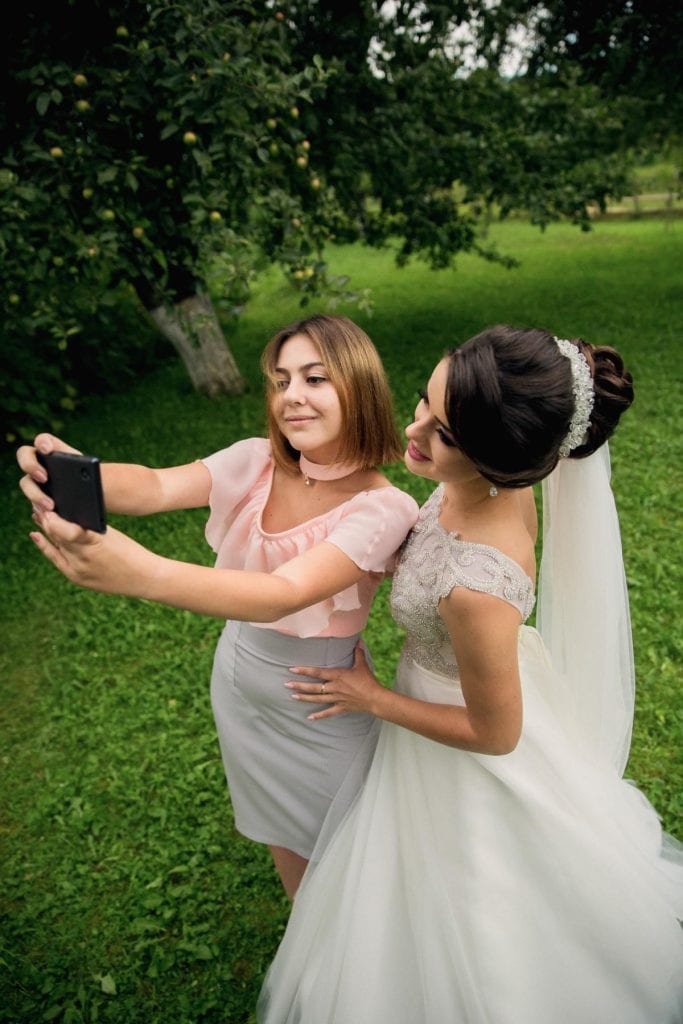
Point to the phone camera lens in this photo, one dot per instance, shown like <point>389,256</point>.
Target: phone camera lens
<point>85,475</point>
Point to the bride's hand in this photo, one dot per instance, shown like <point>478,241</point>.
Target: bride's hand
<point>34,473</point>
<point>110,562</point>
<point>342,690</point>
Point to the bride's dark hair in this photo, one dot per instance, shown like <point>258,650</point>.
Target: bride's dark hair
<point>509,401</point>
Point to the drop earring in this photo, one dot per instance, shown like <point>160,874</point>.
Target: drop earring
<point>493,491</point>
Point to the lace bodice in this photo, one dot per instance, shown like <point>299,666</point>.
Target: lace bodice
<point>433,562</point>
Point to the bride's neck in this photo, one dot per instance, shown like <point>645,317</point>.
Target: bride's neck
<point>473,496</point>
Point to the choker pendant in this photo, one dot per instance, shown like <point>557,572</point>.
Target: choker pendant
<point>312,471</point>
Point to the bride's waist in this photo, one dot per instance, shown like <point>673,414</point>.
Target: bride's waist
<point>429,671</point>
<point>425,677</point>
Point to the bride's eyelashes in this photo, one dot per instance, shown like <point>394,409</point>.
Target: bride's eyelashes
<point>442,434</point>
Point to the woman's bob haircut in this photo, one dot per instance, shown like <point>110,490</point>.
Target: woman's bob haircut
<point>369,436</point>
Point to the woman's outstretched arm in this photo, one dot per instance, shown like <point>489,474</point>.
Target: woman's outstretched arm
<point>129,489</point>
<point>114,563</point>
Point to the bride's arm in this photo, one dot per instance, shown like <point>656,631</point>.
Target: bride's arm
<point>484,632</point>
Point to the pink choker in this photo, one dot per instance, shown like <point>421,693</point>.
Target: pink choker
<point>333,471</point>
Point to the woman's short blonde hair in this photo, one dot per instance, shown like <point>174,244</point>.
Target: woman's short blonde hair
<point>369,435</point>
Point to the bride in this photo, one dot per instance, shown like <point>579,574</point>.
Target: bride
<point>496,868</point>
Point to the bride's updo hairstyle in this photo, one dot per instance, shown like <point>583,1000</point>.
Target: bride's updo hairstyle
<point>509,401</point>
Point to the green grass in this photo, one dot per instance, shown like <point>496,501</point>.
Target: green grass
<point>127,896</point>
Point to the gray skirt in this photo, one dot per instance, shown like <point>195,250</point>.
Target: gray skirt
<point>287,776</point>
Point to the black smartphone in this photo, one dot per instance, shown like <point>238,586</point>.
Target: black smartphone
<point>75,486</point>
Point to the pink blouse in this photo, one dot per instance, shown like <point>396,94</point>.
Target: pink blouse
<point>369,528</point>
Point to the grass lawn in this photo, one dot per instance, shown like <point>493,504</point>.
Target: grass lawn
<point>127,896</point>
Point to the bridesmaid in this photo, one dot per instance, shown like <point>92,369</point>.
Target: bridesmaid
<point>304,526</point>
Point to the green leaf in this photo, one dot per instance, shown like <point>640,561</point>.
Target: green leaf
<point>108,985</point>
<point>106,175</point>
<point>168,131</point>
<point>43,102</point>
<point>160,257</point>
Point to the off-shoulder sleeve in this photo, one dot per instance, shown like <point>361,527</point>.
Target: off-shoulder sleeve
<point>234,473</point>
<point>374,526</point>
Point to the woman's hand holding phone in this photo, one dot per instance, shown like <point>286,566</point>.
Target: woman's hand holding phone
<point>109,562</point>
<point>60,479</point>
<point>35,475</point>
<point>74,484</point>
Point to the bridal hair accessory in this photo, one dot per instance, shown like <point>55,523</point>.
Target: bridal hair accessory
<point>313,471</point>
<point>584,396</point>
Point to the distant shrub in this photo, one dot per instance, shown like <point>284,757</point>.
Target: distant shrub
<point>44,378</point>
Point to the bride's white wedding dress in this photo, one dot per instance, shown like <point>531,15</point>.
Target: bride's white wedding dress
<point>529,888</point>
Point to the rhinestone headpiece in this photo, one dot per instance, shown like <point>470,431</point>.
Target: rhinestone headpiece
<point>584,396</point>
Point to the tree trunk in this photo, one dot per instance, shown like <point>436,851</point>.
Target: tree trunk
<point>193,329</point>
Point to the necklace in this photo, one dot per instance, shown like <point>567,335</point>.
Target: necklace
<point>313,471</point>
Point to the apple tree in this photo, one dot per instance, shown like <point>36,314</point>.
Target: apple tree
<point>425,131</point>
<point>142,143</point>
<point>147,144</point>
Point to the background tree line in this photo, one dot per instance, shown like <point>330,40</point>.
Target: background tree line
<point>157,155</point>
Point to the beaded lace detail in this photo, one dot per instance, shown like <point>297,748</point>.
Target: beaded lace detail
<point>433,562</point>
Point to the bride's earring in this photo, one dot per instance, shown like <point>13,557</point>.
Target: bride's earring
<point>493,491</point>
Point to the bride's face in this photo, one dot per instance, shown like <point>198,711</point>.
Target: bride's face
<point>432,451</point>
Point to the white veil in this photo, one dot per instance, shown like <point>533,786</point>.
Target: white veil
<point>583,612</point>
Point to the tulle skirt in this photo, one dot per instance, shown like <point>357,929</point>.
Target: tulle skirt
<point>531,888</point>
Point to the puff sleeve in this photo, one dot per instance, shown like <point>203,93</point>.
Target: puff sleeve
<point>373,527</point>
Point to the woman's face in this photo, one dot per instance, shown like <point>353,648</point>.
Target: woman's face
<point>432,451</point>
<point>306,404</point>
